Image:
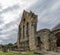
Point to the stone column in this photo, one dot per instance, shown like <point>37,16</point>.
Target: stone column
<point>32,43</point>
<point>18,39</point>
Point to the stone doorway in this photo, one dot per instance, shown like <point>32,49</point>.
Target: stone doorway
<point>58,39</point>
<point>39,43</point>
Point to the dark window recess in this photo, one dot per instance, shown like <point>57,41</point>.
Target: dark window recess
<point>58,39</point>
<point>39,42</point>
<point>24,19</point>
<point>23,32</point>
<point>27,32</point>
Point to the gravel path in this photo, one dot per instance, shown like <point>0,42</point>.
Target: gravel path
<point>47,53</point>
<point>50,53</point>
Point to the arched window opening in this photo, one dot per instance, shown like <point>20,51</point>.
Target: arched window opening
<point>27,31</point>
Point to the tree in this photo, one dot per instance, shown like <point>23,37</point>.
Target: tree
<point>10,45</point>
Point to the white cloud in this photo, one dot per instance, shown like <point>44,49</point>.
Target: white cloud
<point>55,6</point>
<point>4,36</point>
<point>23,5</point>
<point>1,41</point>
<point>7,3</point>
<point>10,16</point>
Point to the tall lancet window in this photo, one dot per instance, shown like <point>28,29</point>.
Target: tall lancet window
<point>23,32</point>
<point>20,32</point>
<point>23,28</point>
<point>27,31</point>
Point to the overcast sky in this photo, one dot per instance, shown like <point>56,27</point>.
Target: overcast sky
<point>48,12</point>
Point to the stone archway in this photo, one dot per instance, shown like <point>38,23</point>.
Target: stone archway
<point>58,39</point>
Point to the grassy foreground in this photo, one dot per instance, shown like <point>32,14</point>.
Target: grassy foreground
<point>8,53</point>
<point>11,53</point>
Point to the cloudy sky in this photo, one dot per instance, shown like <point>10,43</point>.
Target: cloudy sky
<point>48,12</point>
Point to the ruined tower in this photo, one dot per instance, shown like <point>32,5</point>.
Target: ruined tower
<point>27,31</point>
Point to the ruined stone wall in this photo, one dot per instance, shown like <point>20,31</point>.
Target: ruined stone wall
<point>48,40</point>
<point>44,37</point>
<point>56,32</point>
<point>52,42</point>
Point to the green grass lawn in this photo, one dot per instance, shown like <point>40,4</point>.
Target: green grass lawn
<point>11,53</point>
<point>8,53</point>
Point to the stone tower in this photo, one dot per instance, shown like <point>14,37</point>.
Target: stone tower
<point>27,31</point>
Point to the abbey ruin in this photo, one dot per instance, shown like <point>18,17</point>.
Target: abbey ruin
<point>31,39</point>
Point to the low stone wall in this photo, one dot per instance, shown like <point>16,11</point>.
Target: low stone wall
<point>46,53</point>
<point>58,49</point>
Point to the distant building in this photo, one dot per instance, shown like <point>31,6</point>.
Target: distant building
<point>31,39</point>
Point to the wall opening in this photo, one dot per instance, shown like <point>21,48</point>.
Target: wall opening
<point>58,39</point>
<point>27,31</point>
<point>39,43</point>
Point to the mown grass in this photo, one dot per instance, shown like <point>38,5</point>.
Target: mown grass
<point>8,53</point>
<point>12,53</point>
<point>58,52</point>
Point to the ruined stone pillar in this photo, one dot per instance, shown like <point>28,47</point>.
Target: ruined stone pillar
<point>32,43</point>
